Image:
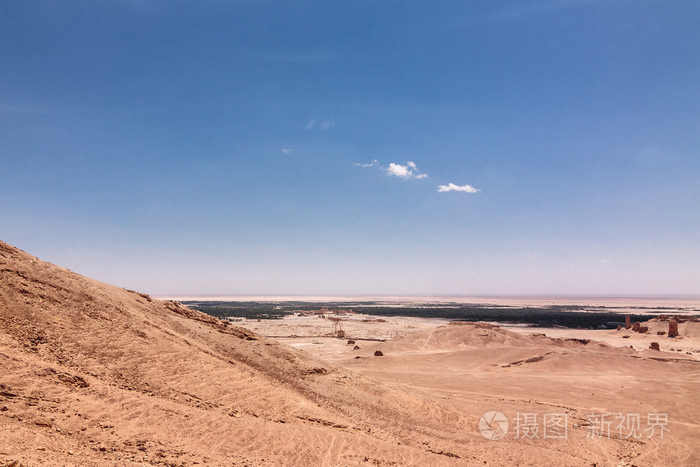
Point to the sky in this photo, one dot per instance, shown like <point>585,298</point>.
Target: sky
<point>355,148</point>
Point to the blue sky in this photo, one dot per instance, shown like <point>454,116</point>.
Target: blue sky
<point>300,147</point>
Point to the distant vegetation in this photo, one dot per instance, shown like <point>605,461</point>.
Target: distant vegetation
<point>570,316</point>
<point>250,310</point>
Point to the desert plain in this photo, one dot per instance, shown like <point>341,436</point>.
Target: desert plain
<point>94,374</point>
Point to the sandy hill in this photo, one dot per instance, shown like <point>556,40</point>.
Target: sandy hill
<point>467,335</point>
<point>481,346</point>
<point>95,374</point>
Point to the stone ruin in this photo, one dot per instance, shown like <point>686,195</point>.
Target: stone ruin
<point>350,341</point>
<point>378,353</point>
<point>654,346</point>
<point>673,328</point>
<point>636,327</point>
<point>672,325</point>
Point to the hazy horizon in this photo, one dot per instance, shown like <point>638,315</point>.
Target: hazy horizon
<point>688,303</point>
<point>362,148</point>
<point>443,296</point>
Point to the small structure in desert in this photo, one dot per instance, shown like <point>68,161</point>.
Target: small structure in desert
<point>672,328</point>
<point>337,327</point>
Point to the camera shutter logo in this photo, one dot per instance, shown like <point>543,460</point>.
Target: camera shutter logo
<point>493,425</point>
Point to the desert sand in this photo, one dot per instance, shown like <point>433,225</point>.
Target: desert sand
<point>93,374</point>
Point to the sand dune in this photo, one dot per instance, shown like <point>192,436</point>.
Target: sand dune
<point>97,375</point>
<point>463,335</point>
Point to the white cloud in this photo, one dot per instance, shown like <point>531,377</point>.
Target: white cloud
<point>605,261</point>
<point>453,187</point>
<point>405,171</point>
<point>374,163</point>
<point>286,150</point>
<point>310,124</point>
<point>398,170</point>
<point>327,124</point>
